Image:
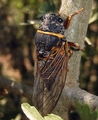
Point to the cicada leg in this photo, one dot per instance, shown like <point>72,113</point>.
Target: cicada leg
<point>73,47</point>
<point>70,53</point>
<point>69,18</point>
<point>66,48</point>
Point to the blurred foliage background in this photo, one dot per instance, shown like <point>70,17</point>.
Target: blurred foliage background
<point>17,49</point>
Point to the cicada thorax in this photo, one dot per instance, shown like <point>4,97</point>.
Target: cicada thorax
<point>45,43</point>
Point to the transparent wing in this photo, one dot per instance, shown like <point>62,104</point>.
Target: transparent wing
<point>49,81</point>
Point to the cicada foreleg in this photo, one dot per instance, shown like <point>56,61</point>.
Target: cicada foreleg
<point>69,18</point>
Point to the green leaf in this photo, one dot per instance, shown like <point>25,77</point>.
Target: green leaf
<point>52,117</point>
<point>86,113</point>
<point>31,112</point>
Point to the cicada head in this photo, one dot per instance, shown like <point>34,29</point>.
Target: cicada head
<point>52,23</point>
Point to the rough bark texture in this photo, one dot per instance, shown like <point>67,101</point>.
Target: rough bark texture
<point>76,33</point>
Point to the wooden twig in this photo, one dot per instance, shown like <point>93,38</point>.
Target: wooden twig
<point>16,87</point>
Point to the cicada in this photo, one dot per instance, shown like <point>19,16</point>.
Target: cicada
<point>51,64</point>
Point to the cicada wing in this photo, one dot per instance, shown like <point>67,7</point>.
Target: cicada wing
<point>49,82</point>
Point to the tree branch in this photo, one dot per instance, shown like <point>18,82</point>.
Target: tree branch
<point>72,93</point>
<point>76,33</point>
<point>70,97</point>
<point>16,87</point>
<point>76,94</point>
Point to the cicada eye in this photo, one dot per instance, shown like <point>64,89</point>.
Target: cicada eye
<point>60,20</point>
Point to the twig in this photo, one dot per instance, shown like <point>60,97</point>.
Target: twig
<point>16,87</point>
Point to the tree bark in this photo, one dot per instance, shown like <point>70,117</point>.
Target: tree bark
<point>15,87</point>
<point>75,33</point>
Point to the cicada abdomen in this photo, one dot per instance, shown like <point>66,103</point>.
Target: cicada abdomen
<point>51,64</point>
